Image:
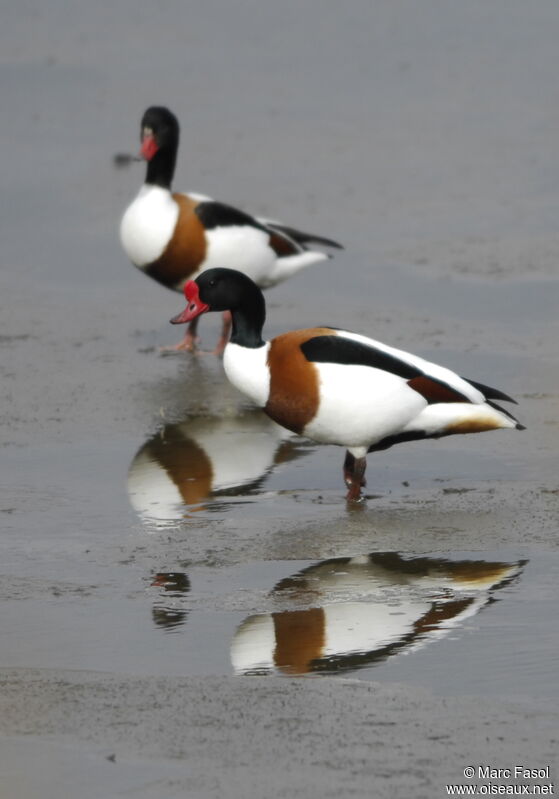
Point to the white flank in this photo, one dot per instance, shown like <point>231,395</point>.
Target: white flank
<point>148,225</point>
<point>285,268</point>
<point>246,368</point>
<point>360,405</point>
<point>239,247</point>
<point>246,249</point>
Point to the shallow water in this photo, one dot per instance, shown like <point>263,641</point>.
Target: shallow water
<point>192,565</point>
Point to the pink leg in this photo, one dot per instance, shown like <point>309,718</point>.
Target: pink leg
<point>188,343</point>
<point>354,476</point>
<point>225,332</point>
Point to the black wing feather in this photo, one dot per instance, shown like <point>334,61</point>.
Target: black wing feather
<point>214,214</point>
<point>338,349</point>
<point>301,237</point>
<point>490,393</point>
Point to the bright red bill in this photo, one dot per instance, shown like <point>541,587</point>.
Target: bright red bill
<point>149,147</point>
<point>195,305</point>
<point>191,290</point>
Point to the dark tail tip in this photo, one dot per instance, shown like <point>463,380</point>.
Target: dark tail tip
<point>520,426</point>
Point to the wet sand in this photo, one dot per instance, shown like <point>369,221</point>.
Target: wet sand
<point>425,139</point>
<point>226,737</point>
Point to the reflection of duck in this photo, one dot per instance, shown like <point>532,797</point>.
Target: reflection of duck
<point>185,463</point>
<point>174,584</point>
<point>172,237</point>
<point>365,610</point>
<point>338,387</point>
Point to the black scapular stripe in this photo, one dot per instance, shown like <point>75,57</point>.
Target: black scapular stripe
<point>401,438</point>
<point>301,237</point>
<point>213,214</point>
<point>338,349</point>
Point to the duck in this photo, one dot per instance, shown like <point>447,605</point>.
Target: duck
<point>173,237</point>
<point>338,387</point>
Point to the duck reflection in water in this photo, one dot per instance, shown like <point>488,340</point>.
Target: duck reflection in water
<point>203,457</point>
<point>364,610</point>
<point>165,614</point>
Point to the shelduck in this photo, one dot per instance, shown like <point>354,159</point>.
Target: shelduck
<point>337,387</point>
<point>173,237</point>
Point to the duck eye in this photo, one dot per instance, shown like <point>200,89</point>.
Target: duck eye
<point>213,282</point>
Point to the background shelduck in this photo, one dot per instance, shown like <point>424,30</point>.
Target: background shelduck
<point>337,387</point>
<point>172,237</point>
